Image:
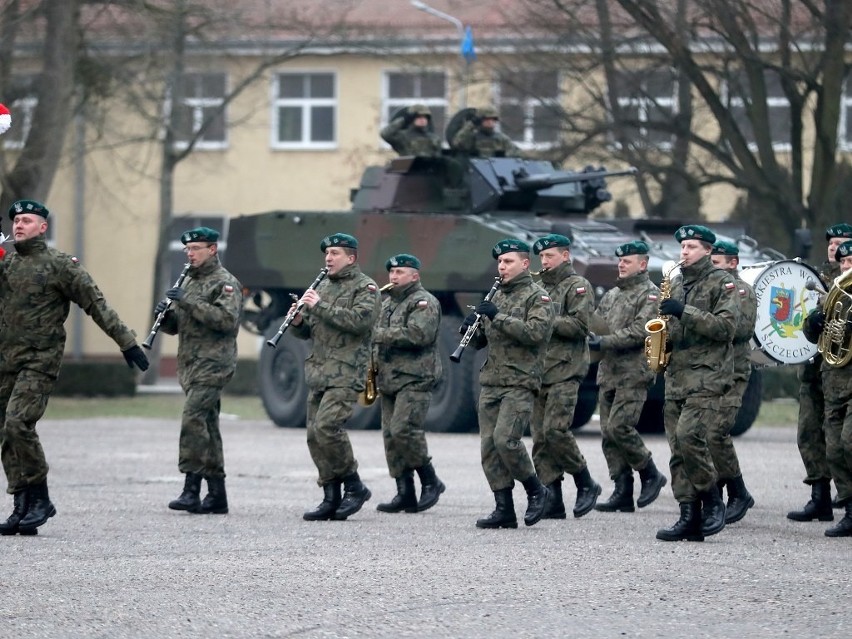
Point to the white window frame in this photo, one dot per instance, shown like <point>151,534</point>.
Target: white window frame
<point>198,105</point>
<point>845,129</point>
<point>528,104</point>
<point>22,118</point>
<point>644,104</point>
<point>305,104</point>
<point>390,104</point>
<point>737,102</point>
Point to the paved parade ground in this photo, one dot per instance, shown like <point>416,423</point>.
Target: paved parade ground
<point>115,562</point>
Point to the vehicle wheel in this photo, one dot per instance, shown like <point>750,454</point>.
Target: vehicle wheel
<point>281,380</point>
<point>452,407</point>
<point>587,399</point>
<point>651,419</point>
<point>751,403</point>
<point>366,417</point>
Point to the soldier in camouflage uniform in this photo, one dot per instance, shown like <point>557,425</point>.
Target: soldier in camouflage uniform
<point>405,341</point>
<point>37,286</point>
<point>479,136</point>
<point>516,327</point>
<point>555,449</point>
<point>703,306</point>
<point>204,312</point>
<point>411,133</point>
<point>811,429</point>
<point>624,378</point>
<point>725,255</point>
<point>837,385</point>
<point>339,315</point>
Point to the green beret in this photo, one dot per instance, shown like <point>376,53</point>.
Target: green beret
<point>844,250</point>
<point>636,247</point>
<point>723,247</point>
<point>695,232</point>
<point>509,245</point>
<point>200,234</point>
<point>28,206</point>
<point>838,230</point>
<point>403,259</point>
<point>342,240</point>
<point>550,241</point>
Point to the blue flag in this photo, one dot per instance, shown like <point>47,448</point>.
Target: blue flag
<point>467,50</point>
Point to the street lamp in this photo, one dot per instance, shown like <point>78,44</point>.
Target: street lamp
<point>465,42</point>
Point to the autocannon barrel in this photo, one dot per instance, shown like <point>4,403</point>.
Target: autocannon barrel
<point>544,180</point>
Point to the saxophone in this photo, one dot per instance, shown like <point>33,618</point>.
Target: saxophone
<point>367,396</point>
<point>834,342</point>
<point>657,329</point>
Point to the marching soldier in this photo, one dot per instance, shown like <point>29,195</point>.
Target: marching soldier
<point>703,307</point>
<point>725,255</point>
<point>837,385</point>
<point>810,435</point>
<point>479,136</point>
<point>519,322</point>
<point>339,316</point>
<point>405,339</point>
<point>555,449</point>
<point>624,378</point>
<point>410,133</point>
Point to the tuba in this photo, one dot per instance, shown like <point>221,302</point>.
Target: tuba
<point>834,342</point>
<point>657,329</point>
<point>367,396</point>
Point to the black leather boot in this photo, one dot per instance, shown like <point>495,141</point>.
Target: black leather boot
<point>355,493</point>
<point>405,498</point>
<point>652,483</point>
<point>844,526</point>
<point>819,507</point>
<point>432,487</point>
<point>19,510</point>
<point>189,499</point>
<point>216,500</point>
<point>712,512</point>
<point>39,511</point>
<point>538,499</point>
<point>556,507</point>
<point>504,512</point>
<point>588,491</point>
<point>687,528</point>
<point>329,504</point>
<point>739,500</point>
<point>835,503</point>
<point>621,499</point>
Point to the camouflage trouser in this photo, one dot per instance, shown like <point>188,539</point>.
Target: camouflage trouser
<point>504,416</point>
<point>555,449</point>
<point>622,446</point>
<point>200,449</point>
<point>719,439</point>
<point>23,399</point>
<point>811,429</point>
<point>328,441</point>
<point>838,429</point>
<point>690,463</point>
<point>402,430</point>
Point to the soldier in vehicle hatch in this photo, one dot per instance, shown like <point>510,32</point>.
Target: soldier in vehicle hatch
<point>479,136</point>
<point>411,134</point>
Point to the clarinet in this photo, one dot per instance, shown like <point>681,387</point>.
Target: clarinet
<point>471,330</point>
<point>149,341</point>
<point>291,315</point>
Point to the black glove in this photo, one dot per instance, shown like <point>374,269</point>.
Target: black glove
<point>161,306</point>
<point>594,342</point>
<point>489,309</point>
<point>671,307</point>
<point>814,325</point>
<point>467,323</point>
<point>135,355</point>
<point>176,294</point>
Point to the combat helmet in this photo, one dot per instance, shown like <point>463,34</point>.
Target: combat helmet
<point>419,109</point>
<point>488,111</point>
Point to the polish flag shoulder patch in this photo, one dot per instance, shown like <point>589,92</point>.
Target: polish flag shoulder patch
<point>581,290</point>
<point>652,297</point>
<point>742,292</point>
<point>730,286</point>
<point>545,298</point>
<point>74,259</point>
<point>228,288</point>
<point>372,287</point>
<point>422,303</point>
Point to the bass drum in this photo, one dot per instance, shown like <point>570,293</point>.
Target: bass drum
<point>783,302</point>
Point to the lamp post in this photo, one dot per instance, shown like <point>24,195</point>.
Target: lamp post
<point>465,42</point>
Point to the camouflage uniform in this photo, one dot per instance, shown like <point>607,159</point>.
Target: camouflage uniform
<point>837,385</point>
<point>474,140</point>
<point>555,449</point>
<point>719,431</point>
<point>341,325</point>
<point>511,376</point>
<point>623,374</point>
<point>699,373</point>
<point>206,320</point>
<point>37,285</point>
<point>411,140</point>
<point>409,367</point>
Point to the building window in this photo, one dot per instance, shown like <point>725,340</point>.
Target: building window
<point>647,104</point>
<point>529,108</point>
<point>198,102</point>
<point>739,97</point>
<point>305,110</point>
<point>177,258</point>
<point>846,118</point>
<point>21,101</point>
<point>404,89</point>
